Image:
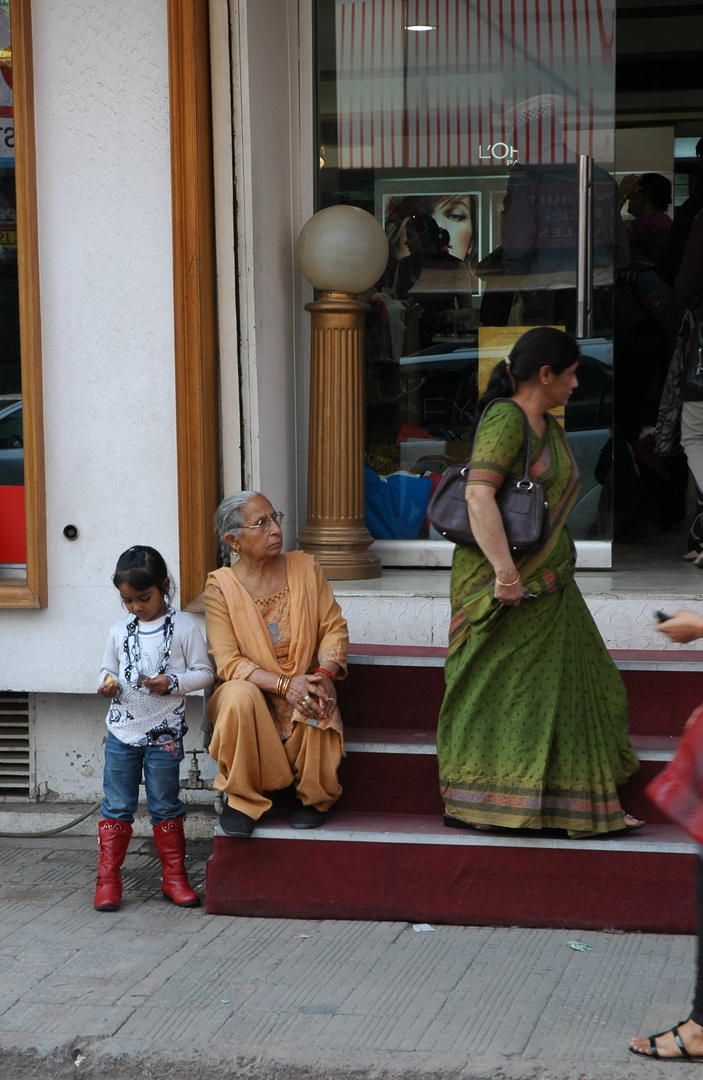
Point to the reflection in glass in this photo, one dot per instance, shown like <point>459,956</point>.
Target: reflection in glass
<point>464,142</point>
<point>12,537</point>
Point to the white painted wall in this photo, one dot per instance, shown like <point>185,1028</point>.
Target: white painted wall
<point>104,220</point>
<point>639,150</point>
<point>265,94</point>
<point>225,245</point>
<point>69,733</point>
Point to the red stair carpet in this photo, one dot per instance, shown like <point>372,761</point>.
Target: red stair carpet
<point>384,852</point>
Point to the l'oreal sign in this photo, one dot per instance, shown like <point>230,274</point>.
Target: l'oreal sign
<point>498,151</point>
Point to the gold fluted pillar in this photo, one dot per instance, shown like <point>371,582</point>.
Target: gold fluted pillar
<point>335,532</point>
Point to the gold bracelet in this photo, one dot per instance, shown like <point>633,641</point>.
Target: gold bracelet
<point>282,684</point>
<point>505,584</point>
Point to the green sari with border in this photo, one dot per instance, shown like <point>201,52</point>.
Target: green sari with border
<point>533,729</point>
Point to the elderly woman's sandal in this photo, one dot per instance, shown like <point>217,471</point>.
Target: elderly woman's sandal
<point>654,1055</point>
<point>235,823</point>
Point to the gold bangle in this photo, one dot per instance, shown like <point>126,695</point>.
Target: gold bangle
<point>506,584</point>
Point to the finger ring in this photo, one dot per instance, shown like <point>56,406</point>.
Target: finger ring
<point>306,698</point>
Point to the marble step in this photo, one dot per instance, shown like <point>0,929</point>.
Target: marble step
<point>410,867</point>
<point>403,687</point>
<point>394,771</point>
<point>360,740</point>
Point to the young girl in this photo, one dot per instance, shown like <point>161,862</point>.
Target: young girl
<point>153,658</point>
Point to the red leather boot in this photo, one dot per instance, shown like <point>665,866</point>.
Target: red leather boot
<point>171,846</point>
<point>113,841</point>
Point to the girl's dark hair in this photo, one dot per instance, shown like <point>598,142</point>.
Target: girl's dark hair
<point>539,346</point>
<point>140,567</point>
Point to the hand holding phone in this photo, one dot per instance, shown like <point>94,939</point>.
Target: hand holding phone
<point>682,627</point>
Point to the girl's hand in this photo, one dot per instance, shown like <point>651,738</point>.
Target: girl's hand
<point>303,694</point>
<point>109,687</point>
<point>158,685</point>
<point>682,627</point>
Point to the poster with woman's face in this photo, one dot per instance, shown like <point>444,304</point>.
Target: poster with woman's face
<point>447,222</point>
<point>457,215</point>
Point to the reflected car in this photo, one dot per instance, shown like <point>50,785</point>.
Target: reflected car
<point>450,385</point>
<point>11,445</point>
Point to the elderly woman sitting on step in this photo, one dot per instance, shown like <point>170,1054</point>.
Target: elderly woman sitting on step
<point>279,642</point>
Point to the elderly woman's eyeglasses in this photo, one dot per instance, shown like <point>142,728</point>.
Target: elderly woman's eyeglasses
<point>266,522</point>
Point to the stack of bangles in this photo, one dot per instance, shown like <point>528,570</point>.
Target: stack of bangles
<point>282,685</point>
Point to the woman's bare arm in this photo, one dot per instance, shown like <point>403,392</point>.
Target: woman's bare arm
<point>487,527</point>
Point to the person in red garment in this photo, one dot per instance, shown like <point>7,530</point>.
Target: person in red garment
<point>648,197</point>
<point>683,1042</point>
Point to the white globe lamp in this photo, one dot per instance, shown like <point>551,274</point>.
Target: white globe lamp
<point>342,249</point>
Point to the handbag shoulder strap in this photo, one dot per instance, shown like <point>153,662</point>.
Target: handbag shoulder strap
<point>526,435</point>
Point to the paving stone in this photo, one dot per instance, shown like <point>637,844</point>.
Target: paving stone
<point>158,991</point>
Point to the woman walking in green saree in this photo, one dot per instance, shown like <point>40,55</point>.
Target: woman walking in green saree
<point>533,730</point>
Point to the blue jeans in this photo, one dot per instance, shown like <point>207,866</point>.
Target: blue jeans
<point>123,774</point>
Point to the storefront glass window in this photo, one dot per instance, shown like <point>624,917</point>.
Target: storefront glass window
<point>12,533</point>
<point>465,127</point>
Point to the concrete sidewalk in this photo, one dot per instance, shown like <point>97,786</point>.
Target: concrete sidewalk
<point>157,991</point>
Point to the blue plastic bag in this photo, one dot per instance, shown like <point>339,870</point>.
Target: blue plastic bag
<point>396,505</point>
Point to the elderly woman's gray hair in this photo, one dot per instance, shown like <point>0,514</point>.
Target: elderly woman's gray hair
<point>229,516</point>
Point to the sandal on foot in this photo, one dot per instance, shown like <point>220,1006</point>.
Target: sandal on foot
<point>656,1056</point>
<point>627,828</point>
<point>235,823</point>
<point>307,817</point>
<point>457,823</point>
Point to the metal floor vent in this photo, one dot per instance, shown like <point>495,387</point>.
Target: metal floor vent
<point>14,745</point>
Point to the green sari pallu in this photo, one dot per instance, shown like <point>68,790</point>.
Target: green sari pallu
<point>533,729</point>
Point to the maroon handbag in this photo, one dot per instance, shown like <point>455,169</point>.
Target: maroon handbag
<point>521,501</point>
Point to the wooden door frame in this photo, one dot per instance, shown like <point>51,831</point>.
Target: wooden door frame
<point>194,293</point>
<point>32,591</point>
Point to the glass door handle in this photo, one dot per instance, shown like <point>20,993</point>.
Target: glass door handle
<point>584,265</point>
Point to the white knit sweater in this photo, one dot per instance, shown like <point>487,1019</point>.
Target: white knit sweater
<point>138,716</point>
